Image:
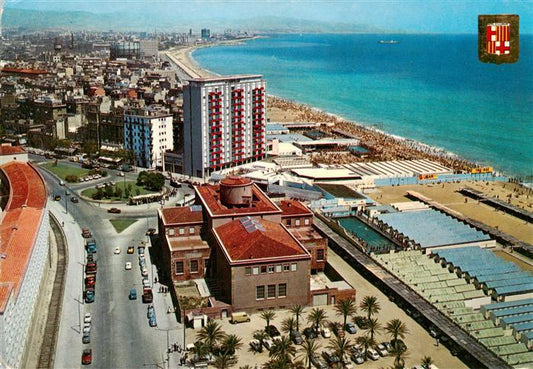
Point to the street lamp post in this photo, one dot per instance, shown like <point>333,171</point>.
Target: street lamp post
<point>66,202</point>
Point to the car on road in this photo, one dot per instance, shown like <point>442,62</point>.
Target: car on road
<point>350,328</point>
<point>140,250</point>
<point>326,333</point>
<point>128,266</point>
<point>148,296</point>
<point>120,174</point>
<point>152,322</point>
<point>272,331</point>
<point>85,233</point>
<point>89,295</point>
<point>131,249</point>
<point>150,231</point>
<point>296,337</point>
<point>86,337</point>
<point>74,199</point>
<point>87,357</point>
<point>133,294</point>
<point>114,210</point>
<point>57,198</point>
<point>150,311</point>
<point>117,250</point>
<point>310,333</point>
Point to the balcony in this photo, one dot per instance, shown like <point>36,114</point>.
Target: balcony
<point>215,126</point>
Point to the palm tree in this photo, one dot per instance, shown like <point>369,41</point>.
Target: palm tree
<point>230,344</point>
<point>396,328</point>
<point>310,348</point>
<point>370,304</point>
<point>317,317</point>
<point>340,346</point>
<point>211,334</point>
<point>261,336</point>
<point>268,316</point>
<point>373,327</point>
<point>346,308</point>
<point>298,311</point>
<point>288,325</point>
<point>283,349</point>
<point>365,342</point>
<point>335,327</point>
<point>245,367</point>
<point>427,361</point>
<point>398,350</point>
<point>200,350</point>
<point>223,361</point>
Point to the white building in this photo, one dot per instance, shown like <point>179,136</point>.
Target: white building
<point>148,132</point>
<point>224,123</point>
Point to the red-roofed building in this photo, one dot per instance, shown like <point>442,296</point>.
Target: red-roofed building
<point>24,230</point>
<point>183,251</point>
<point>12,153</point>
<point>299,220</point>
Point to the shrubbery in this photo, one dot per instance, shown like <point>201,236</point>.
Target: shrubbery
<point>151,181</point>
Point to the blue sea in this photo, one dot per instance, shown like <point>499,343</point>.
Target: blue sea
<point>430,88</point>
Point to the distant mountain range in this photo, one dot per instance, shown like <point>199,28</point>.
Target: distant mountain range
<point>81,20</point>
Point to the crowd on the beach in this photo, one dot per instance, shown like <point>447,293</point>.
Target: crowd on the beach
<point>382,146</point>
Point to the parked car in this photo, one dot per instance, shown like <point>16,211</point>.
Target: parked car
<point>350,328</point>
<point>86,338</point>
<point>117,250</point>
<point>140,250</point>
<point>87,357</point>
<point>133,294</point>
<point>358,358</point>
<point>387,345</point>
<point>372,354</point>
<point>268,344</point>
<point>152,322</point>
<point>89,296</point>
<point>330,357</point>
<point>272,331</point>
<point>131,249</point>
<point>382,351</point>
<point>114,211</point>
<point>361,321</point>
<point>309,333</point>
<point>74,199</point>
<point>239,317</point>
<point>296,337</point>
<point>256,345</point>
<point>318,363</point>
<point>398,342</point>
<point>90,258</point>
<point>150,311</point>
<point>57,198</point>
<point>85,233</point>
<point>87,318</point>
<point>144,272</point>
<point>90,281</point>
<point>90,267</point>
<point>326,333</point>
<point>128,266</point>
<point>150,231</point>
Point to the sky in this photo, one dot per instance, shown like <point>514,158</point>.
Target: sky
<point>440,16</point>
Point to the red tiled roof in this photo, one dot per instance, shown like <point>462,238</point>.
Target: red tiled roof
<point>293,208</point>
<point>19,227</point>
<point>10,150</point>
<point>304,234</point>
<point>186,243</point>
<point>181,215</point>
<point>273,241</point>
<point>210,196</point>
<point>235,181</point>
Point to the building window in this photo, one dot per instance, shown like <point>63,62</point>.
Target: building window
<point>256,270</point>
<point>278,268</point>
<point>191,230</point>
<point>271,268</point>
<point>282,290</point>
<point>320,254</point>
<point>297,222</point>
<point>248,270</point>
<point>306,221</point>
<point>182,230</point>
<point>179,267</point>
<point>171,232</point>
<point>271,291</point>
<point>293,267</point>
<point>286,267</point>
<point>288,222</point>
<point>193,266</point>
<point>259,292</point>
<point>263,269</point>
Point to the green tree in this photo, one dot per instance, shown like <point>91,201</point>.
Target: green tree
<point>268,315</point>
<point>71,178</point>
<point>109,192</point>
<point>427,361</point>
<point>396,328</point>
<point>283,349</point>
<point>90,148</point>
<point>288,325</point>
<point>370,305</point>
<point>341,346</point>
<point>98,194</point>
<point>335,327</point>
<point>118,192</point>
<point>137,192</point>
<point>399,352</point>
<point>365,342</point>
<point>373,327</point>
<point>223,361</point>
<point>298,311</point>
<point>345,308</point>
<point>230,344</point>
<point>200,350</point>
<point>127,191</point>
<point>317,317</point>
<point>310,348</point>
<point>211,334</point>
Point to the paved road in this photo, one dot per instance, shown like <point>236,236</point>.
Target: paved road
<point>120,335</point>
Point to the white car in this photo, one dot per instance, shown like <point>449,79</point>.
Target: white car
<point>326,333</point>
<point>87,318</point>
<point>372,354</point>
<point>144,272</point>
<point>117,250</point>
<point>128,266</point>
<point>382,350</point>
<point>268,344</point>
<point>120,174</point>
<point>87,328</point>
